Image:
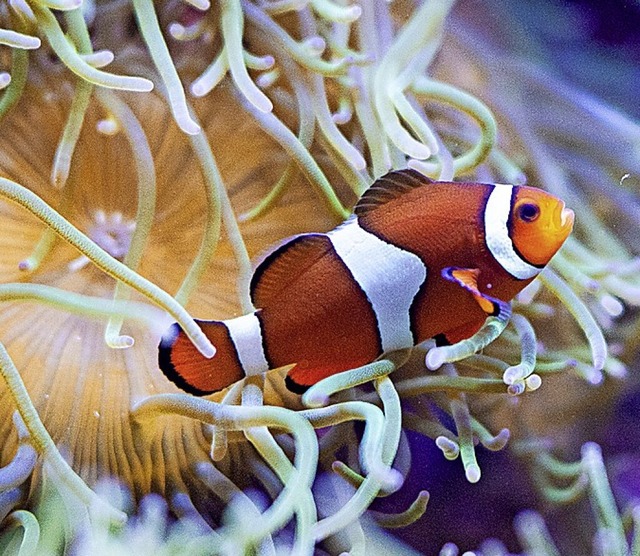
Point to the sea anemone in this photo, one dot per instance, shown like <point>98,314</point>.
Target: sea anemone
<point>147,206</point>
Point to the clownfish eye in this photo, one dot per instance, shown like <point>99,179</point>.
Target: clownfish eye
<point>528,212</point>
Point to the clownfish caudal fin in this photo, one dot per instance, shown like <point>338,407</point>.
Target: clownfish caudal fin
<point>184,365</point>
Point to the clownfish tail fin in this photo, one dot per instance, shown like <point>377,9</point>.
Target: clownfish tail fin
<point>184,365</point>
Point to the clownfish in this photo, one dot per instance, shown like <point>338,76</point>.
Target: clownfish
<point>417,259</point>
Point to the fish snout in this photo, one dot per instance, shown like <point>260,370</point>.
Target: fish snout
<point>567,217</point>
<point>562,220</point>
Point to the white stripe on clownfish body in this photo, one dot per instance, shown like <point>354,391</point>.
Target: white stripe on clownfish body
<point>246,335</point>
<point>496,218</point>
<point>389,276</point>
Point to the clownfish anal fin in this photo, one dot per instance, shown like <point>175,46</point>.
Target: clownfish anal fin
<point>294,386</point>
<point>459,333</point>
<point>389,187</point>
<point>286,264</point>
<point>302,377</point>
<point>468,279</point>
<point>442,340</point>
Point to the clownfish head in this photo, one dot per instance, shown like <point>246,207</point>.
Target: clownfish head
<point>539,224</point>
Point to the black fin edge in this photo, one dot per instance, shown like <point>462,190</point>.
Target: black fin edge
<point>278,251</point>
<point>441,340</point>
<point>294,387</point>
<point>406,179</point>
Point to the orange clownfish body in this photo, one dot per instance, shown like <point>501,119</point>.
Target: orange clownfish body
<point>417,260</point>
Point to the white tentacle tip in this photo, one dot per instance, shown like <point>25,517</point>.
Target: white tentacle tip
<point>472,472</point>
<point>313,399</point>
<point>5,79</point>
<point>26,265</point>
<point>142,85</point>
<point>513,374</point>
<point>199,88</point>
<point>517,388</point>
<point>262,102</point>
<point>419,151</point>
<point>189,126</point>
<point>202,5</point>
<point>353,13</point>
<point>499,441</point>
<point>119,342</point>
<point>591,452</point>
<point>208,350</point>
<point>358,161</point>
<point>617,369</point>
<point>449,448</point>
<point>434,359</point>
<point>533,382</point>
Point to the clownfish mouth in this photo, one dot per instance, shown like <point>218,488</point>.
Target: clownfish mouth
<point>566,217</point>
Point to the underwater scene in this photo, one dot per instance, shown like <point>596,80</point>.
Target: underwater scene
<point>320,277</point>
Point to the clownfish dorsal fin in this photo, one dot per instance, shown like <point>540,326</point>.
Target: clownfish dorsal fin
<point>389,187</point>
<point>285,264</point>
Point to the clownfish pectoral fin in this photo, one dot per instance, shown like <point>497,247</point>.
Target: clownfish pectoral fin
<point>389,187</point>
<point>468,279</point>
<point>285,264</point>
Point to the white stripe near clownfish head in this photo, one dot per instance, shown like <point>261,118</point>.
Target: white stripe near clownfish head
<point>389,276</point>
<point>497,238</point>
<point>246,335</point>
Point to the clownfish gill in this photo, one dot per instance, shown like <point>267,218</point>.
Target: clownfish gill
<point>416,260</point>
